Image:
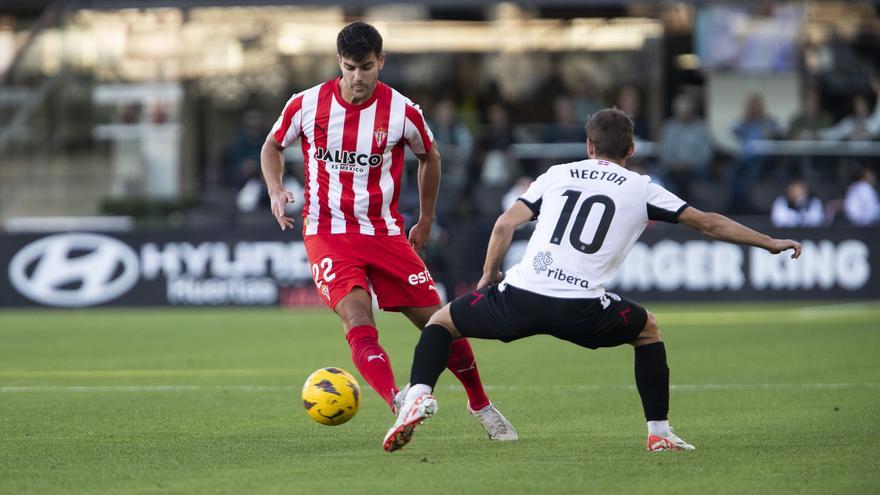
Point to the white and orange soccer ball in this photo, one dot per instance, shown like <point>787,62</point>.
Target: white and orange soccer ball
<point>331,396</point>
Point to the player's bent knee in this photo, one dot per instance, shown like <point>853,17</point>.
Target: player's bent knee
<point>443,317</point>
<point>650,334</point>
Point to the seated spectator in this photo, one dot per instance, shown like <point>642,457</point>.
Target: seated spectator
<point>860,126</point>
<point>797,207</point>
<point>685,145</point>
<point>493,163</point>
<point>629,101</point>
<point>565,127</point>
<point>810,118</point>
<point>585,98</point>
<point>756,125</point>
<point>454,139</point>
<point>862,205</point>
<point>242,160</point>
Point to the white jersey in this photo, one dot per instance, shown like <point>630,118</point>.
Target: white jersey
<point>590,213</point>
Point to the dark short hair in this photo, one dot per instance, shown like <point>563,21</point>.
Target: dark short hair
<point>357,40</point>
<point>611,132</point>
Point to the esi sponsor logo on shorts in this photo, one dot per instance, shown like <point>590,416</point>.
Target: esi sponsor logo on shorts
<point>559,274</point>
<point>421,278</point>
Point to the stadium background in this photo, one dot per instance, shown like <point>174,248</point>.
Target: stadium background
<point>141,122</point>
<point>155,324</point>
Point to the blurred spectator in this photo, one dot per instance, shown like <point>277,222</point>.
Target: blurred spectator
<point>493,164</point>
<point>862,205</point>
<point>685,145</point>
<point>454,139</point>
<point>497,134</point>
<point>495,137</point>
<point>756,125</point>
<point>810,118</point>
<point>630,103</point>
<point>565,127</point>
<point>797,207</point>
<point>861,125</point>
<point>584,99</point>
<point>243,155</point>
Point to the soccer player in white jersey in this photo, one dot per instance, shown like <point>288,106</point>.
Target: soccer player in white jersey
<point>590,213</point>
<point>353,131</point>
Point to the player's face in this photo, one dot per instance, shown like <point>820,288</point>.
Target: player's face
<point>361,76</point>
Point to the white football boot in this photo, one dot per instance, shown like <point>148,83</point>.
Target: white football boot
<point>670,441</point>
<point>495,424</point>
<point>411,415</point>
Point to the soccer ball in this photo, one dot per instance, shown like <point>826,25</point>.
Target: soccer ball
<point>331,396</point>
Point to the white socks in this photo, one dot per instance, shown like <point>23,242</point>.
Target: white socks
<point>416,391</point>
<point>659,428</point>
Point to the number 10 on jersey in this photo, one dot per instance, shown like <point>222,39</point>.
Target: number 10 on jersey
<point>580,220</point>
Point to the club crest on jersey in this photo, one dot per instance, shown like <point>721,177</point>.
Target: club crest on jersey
<point>542,261</point>
<point>380,136</point>
<point>348,161</point>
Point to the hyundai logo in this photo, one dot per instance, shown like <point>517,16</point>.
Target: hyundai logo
<point>74,270</point>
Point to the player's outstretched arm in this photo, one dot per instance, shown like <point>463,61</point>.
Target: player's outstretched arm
<point>272,166</point>
<point>499,243</point>
<point>722,228</point>
<point>429,184</point>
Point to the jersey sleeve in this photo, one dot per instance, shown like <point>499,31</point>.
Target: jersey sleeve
<point>663,205</point>
<point>533,197</point>
<point>416,132</point>
<point>288,127</point>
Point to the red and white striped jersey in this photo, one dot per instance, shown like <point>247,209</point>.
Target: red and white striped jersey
<point>353,156</point>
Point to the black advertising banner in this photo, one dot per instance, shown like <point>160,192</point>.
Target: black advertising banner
<point>676,264</point>
<point>270,268</point>
<point>155,268</point>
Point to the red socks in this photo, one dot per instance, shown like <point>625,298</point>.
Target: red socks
<point>374,365</point>
<point>372,361</point>
<point>462,364</point>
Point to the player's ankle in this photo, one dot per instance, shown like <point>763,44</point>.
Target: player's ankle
<point>415,391</point>
<point>659,428</point>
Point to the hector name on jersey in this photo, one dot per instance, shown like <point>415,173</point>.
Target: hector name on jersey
<point>590,213</point>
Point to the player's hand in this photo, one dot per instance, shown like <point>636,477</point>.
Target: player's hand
<point>277,201</point>
<point>779,245</point>
<point>490,278</point>
<point>419,234</point>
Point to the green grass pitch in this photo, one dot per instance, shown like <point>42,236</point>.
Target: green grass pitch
<point>777,398</point>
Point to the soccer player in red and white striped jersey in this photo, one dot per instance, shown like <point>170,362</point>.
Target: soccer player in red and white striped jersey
<point>353,131</point>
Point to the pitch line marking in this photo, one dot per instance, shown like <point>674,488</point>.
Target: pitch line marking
<point>140,373</point>
<point>683,387</point>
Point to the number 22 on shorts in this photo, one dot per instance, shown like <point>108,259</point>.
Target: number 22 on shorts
<point>323,273</point>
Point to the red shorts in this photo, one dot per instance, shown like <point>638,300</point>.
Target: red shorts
<point>341,262</point>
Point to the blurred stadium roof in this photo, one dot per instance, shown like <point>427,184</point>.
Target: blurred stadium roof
<point>38,5</point>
